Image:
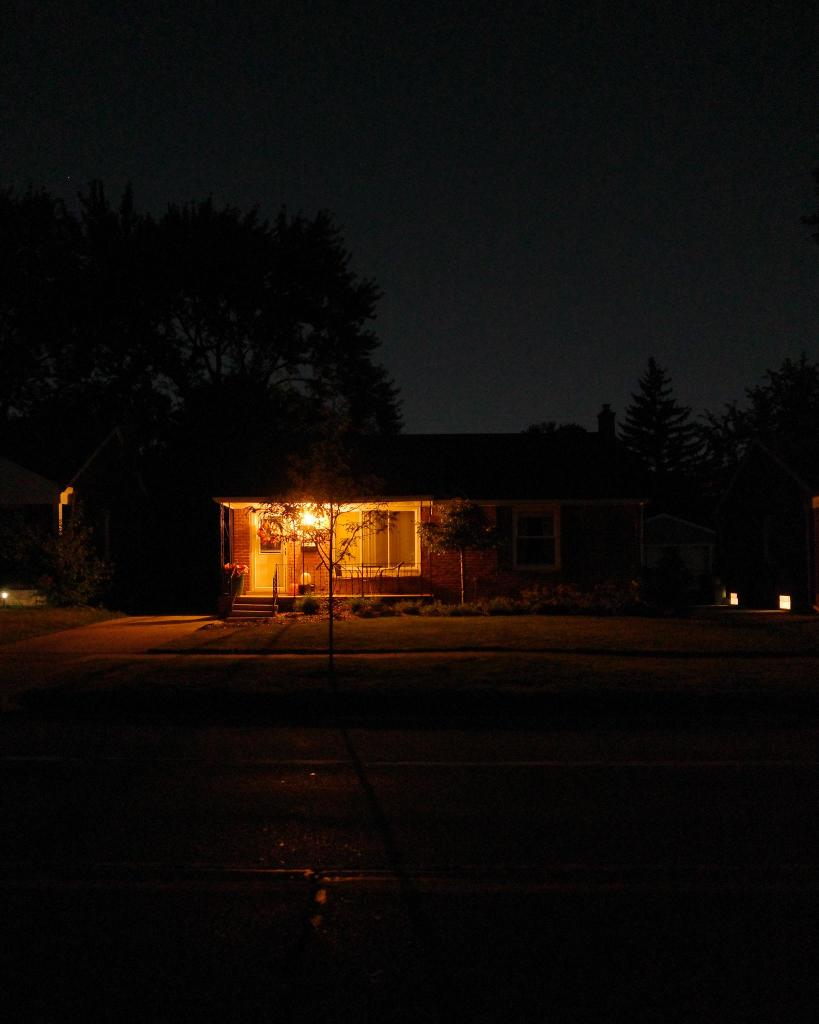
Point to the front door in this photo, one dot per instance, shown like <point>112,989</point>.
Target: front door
<point>269,557</point>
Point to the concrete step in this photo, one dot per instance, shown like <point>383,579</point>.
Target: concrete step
<point>250,607</point>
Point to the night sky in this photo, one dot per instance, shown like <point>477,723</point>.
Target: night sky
<point>547,194</point>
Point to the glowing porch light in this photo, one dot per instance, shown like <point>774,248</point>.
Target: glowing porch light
<point>733,599</point>
<point>785,602</point>
<point>310,519</point>
<point>5,596</point>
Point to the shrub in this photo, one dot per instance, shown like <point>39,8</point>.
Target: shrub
<point>504,606</point>
<point>669,584</point>
<point>66,567</point>
<point>407,608</point>
<point>308,605</point>
<point>616,598</point>
<point>368,607</point>
<point>430,609</point>
<point>461,610</point>
<point>613,597</point>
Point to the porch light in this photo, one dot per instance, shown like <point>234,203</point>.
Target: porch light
<point>733,599</point>
<point>5,596</point>
<point>785,602</point>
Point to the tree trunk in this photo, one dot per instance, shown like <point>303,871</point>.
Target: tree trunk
<point>330,637</point>
<point>462,553</point>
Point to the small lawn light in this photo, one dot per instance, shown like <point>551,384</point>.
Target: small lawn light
<point>4,594</point>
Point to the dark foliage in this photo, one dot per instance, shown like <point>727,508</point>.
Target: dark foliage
<point>657,429</point>
<point>214,340</point>
<point>782,412</point>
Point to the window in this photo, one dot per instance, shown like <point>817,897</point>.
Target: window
<point>535,539</point>
<point>389,539</point>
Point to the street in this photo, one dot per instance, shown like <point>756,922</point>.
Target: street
<point>156,871</point>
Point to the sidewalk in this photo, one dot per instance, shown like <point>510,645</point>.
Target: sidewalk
<point>42,661</point>
<point>128,635</point>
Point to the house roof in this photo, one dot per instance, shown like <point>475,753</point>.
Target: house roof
<point>668,529</point>
<point>800,464</point>
<point>491,467</point>
<point>21,486</point>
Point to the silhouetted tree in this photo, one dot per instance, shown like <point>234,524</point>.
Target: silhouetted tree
<point>782,411</point>
<point>211,336</point>
<point>657,429</point>
<point>553,429</point>
<point>462,526</point>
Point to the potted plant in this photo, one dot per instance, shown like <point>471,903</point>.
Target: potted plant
<point>236,573</point>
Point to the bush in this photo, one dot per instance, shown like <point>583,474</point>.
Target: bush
<point>505,606</point>
<point>65,566</point>
<point>407,608</point>
<point>669,585</point>
<point>368,607</point>
<point>614,597</point>
<point>462,610</point>
<point>308,605</point>
<point>430,609</point>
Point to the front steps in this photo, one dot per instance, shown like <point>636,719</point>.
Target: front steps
<point>251,608</point>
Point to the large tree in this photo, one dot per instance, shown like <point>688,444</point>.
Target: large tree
<point>782,411</point>
<point>205,307</point>
<point>657,429</point>
<point>217,341</point>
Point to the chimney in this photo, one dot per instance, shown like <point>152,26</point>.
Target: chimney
<point>605,424</point>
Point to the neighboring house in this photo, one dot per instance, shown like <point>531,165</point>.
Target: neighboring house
<point>693,543</point>
<point>26,500</point>
<point>567,507</point>
<point>768,520</point>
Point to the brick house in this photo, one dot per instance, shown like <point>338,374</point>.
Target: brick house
<point>568,506</point>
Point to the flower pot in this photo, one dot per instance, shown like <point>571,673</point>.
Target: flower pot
<point>237,585</point>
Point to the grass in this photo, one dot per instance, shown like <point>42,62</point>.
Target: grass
<point>22,623</point>
<point>732,635</point>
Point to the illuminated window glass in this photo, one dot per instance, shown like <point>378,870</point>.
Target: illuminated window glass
<point>389,539</point>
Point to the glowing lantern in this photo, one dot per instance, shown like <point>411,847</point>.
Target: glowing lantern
<point>785,602</point>
<point>733,599</point>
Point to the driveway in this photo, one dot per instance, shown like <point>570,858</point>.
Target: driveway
<point>40,660</point>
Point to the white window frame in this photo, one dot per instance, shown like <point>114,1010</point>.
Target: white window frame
<point>527,512</point>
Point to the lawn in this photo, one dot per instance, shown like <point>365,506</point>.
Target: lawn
<point>21,623</point>
<point>729,635</point>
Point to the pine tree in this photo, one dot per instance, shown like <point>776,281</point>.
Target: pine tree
<point>658,429</point>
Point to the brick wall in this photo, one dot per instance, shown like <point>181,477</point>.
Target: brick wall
<point>240,536</point>
<point>597,543</point>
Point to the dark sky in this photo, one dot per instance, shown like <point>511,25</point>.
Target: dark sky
<point>547,194</point>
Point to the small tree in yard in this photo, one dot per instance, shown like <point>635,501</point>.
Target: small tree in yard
<point>462,527</point>
<point>325,489</point>
<point>64,566</point>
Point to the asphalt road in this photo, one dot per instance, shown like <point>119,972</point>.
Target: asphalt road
<point>218,861</point>
<point>171,872</point>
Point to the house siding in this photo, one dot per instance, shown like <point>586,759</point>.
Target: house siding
<point>815,559</point>
<point>597,543</point>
